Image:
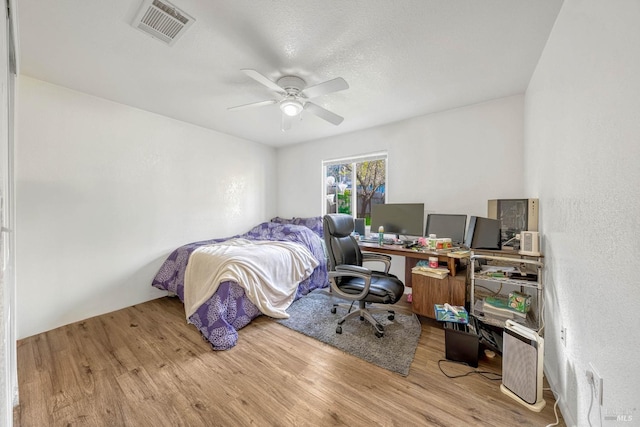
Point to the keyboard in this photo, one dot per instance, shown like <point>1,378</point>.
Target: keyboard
<point>384,241</point>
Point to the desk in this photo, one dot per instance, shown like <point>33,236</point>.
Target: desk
<point>427,291</point>
<point>411,257</point>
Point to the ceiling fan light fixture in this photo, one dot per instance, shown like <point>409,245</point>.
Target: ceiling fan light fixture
<point>293,97</point>
<point>291,107</point>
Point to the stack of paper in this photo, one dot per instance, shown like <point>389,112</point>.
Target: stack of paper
<point>438,273</point>
<point>458,254</point>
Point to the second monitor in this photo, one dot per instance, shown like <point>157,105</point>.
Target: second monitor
<point>483,233</point>
<point>447,225</point>
<point>406,219</point>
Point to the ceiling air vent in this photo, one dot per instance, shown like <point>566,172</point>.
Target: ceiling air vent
<point>162,20</point>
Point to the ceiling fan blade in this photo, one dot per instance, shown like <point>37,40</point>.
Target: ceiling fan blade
<point>323,113</point>
<point>329,86</point>
<point>286,122</point>
<point>253,104</point>
<point>263,80</point>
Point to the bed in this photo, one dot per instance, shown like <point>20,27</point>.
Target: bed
<point>229,308</point>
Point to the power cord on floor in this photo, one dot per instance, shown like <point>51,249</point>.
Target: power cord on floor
<point>485,374</point>
<point>555,408</point>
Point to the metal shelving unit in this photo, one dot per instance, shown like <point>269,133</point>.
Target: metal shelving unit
<point>488,283</point>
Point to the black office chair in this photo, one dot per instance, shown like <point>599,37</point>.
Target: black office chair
<point>350,280</point>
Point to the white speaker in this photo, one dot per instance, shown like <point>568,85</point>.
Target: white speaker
<point>522,365</point>
<point>530,243</point>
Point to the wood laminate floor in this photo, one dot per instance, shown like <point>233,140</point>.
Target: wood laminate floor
<point>144,366</point>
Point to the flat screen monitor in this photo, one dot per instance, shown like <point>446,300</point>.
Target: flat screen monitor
<point>483,233</point>
<point>406,219</point>
<point>447,225</point>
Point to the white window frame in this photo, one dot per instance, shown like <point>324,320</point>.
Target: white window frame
<point>382,155</point>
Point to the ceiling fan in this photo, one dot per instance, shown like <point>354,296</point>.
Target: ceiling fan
<point>294,95</point>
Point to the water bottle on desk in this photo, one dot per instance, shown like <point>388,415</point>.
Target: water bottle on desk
<point>380,235</point>
<point>432,242</point>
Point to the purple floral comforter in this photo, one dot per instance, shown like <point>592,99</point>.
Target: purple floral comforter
<point>229,309</point>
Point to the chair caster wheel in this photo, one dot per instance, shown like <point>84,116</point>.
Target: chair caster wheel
<point>379,334</point>
<point>333,310</point>
<point>361,317</point>
<point>339,330</point>
<point>391,317</point>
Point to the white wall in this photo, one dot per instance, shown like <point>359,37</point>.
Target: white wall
<point>104,192</point>
<point>582,138</point>
<point>453,161</point>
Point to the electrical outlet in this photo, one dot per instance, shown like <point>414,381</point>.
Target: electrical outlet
<point>593,377</point>
<point>563,336</point>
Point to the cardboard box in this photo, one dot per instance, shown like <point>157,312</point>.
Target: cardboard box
<point>519,302</point>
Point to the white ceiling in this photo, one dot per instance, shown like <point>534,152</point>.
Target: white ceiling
<point>401,58</point>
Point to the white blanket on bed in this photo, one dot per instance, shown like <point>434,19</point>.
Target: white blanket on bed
<point>268,271</point>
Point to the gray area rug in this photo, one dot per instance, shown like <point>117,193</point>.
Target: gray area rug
<point>311,315</point>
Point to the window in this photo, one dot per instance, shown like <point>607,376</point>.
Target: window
<point>354,184</point>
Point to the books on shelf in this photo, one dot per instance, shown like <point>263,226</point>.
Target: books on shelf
<point>445,314</point>
<point>438,273</point>
<point>499,306</point>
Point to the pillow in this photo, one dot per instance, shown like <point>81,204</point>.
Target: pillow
<point>314,223</point>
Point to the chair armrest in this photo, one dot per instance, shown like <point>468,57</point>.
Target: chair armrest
<point>350,271</point>
<point>378,257</point>
<point>346,268</point>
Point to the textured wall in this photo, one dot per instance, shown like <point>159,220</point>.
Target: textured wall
<point>582,138</point>
<point>106,191</point>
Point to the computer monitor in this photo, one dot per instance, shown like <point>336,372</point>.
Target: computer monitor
<point>483,233</point>
<point>406,219</point>
<point>447,225</point>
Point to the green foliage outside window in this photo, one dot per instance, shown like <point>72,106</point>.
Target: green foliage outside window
<point>344,202</point>
<point>366,178</point>
<point>371,178</point>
